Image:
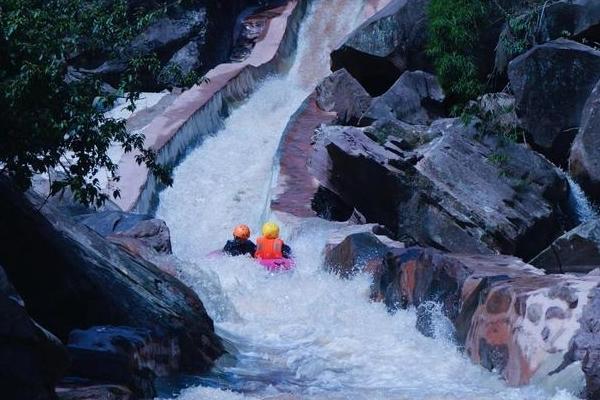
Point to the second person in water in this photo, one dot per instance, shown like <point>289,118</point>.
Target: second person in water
<point>268,247</point>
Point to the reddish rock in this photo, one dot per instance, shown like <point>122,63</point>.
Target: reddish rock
<point>509,316</point>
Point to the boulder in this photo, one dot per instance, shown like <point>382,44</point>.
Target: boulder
<point>132,357</point>
<point>386,45</point>
<point>186,60</point>
<point>82,280</point>
<point>508,315</point>
<point>164,37</point>
<point>342,94</point>
<point>584,162</point>
<point>416,98</point>
<point>577,251</point>
<point>140,235</point>
<point>578,19</point>
<point>507,199</point>
<point>551,83</point>
<point>32,360</point>
<point>355,250</point>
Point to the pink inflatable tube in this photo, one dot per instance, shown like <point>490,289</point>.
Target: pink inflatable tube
<point>277,264</point>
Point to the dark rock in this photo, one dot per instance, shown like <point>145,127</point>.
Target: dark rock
<point>386,45</point>
<point>81,280</point>
<point>94,392</point>
<point>585,346</point>
<point>578,19</point>
<point>357,252</point>
<point>132,357</point>
<point>153,234</point>
<point>186,60</point>
<point>576,251</point>
<point>551,83</point>
<point>32,360</point>
<point>427,196</point>
<point>416,98</point>
<point>342,94</point>
<point>584,162</point>
<point>168,31</point>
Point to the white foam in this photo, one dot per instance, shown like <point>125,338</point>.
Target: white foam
<point>305,334</point>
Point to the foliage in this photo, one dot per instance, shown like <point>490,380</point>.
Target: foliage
<point>454,27</point>
<point>53,117</point>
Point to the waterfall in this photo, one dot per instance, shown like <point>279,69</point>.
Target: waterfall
<point>579,205</point>
<point>306,334</point>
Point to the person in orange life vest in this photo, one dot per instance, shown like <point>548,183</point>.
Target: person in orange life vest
<point>269,246</point>
<point>241,243</point>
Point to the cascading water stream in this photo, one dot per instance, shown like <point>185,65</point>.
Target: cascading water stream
<point>306,333</point>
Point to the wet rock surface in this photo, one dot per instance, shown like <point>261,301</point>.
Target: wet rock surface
<point>132,357</point>
<point>357,249</point>
<point>508,315</point>
<point>577,251</point>
<point>552,83</point>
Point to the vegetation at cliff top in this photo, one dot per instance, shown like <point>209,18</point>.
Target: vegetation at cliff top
<point>54,118</point>
<point>454,27</point>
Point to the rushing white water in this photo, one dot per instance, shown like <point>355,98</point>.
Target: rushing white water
<point>583,210</point>
<point>305,334</point>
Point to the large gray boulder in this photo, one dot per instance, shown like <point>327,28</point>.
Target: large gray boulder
<point>416,98</point>
<point>579,19</point>
<point>82,280</point>
<point>389,43</point>
<point>506,199</point>
<point>342,94</point>
<point>584,162</point>
<point>576,251</point>
<point>133,232</point>
<point>32,360</point>
<point>552,83</point>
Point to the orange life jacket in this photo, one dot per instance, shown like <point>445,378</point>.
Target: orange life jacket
<point>269,249</point>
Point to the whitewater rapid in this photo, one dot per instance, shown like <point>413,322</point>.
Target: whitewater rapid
<point>306,334</point>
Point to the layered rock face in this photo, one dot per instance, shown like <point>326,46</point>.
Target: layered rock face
<point>425,194</point>
<point>81,281</point>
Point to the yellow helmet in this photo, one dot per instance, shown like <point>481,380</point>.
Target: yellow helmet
<point>270,230</point>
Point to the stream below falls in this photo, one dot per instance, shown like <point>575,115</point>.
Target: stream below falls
<point>304,334</point>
